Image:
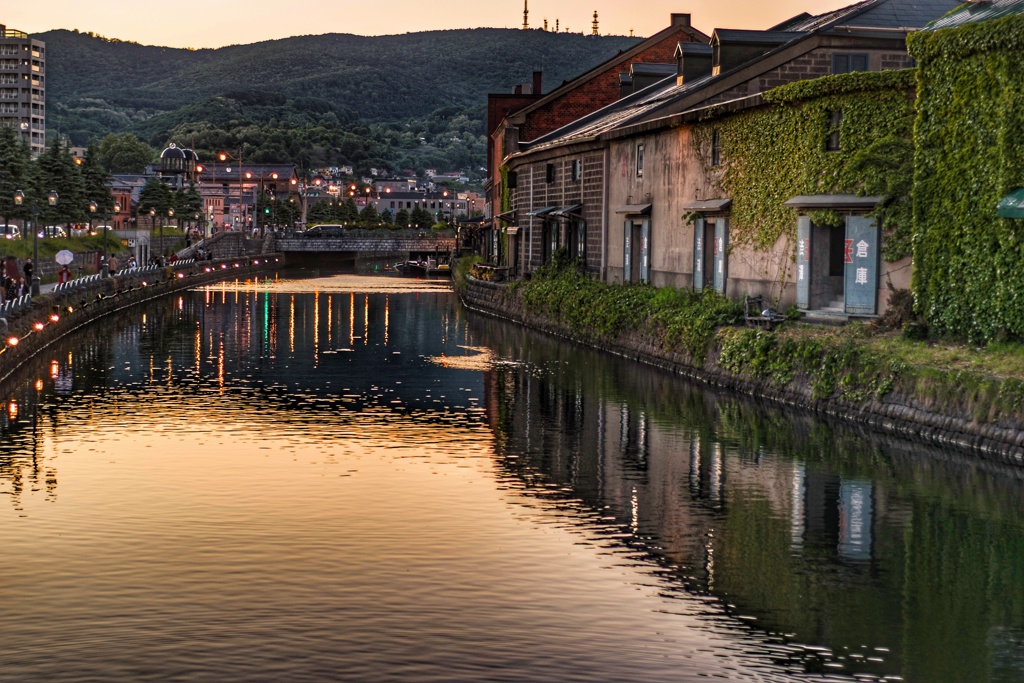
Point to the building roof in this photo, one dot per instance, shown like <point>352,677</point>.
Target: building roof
<point>679,22</point>
<point>646,104</point>
<point>734,35</point>
<point>652,69</point>
<point>976,12</point>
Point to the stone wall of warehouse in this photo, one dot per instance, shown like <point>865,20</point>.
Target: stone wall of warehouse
<point>906,415</point>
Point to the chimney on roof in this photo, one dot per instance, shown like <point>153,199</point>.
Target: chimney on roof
<point>537,80</point>
<point>518,90</point>
<point>680,19</point>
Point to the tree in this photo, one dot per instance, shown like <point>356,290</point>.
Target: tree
<point>96,183</point>
<point>156,196</point>
<point>402,218</point>
<point>57,171</point>
<point>421,218</point>
<point>125,154</point>
<point>15,173</point>
<point>188,203</point>
<point>369,216</point>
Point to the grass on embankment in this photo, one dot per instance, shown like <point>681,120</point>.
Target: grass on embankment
<point>855,363</point>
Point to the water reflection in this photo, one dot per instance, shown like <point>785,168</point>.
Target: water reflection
<point>362,471</point>
<point>863,555</point>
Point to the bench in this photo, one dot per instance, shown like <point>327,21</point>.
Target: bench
<point>756,313</point>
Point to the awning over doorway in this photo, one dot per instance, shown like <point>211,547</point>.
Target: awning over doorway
<point>540,213</point>
<point>708,205</point>
<point>565,211</point>
<point>1012,205</point>
<point>507,215</point>
<point>849,202</point>
<point>635,209</point>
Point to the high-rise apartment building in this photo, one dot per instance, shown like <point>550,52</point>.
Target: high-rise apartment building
<point>23,86</point>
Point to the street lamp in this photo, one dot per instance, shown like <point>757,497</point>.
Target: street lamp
<point>92,217</point>
<point>152,224</point>
<point>163,249</point>
<point>19,200</point>
<point>224,156</point>
<point>259,195</point>
<point>117,210</point>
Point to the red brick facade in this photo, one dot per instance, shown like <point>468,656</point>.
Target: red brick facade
<point>597,92</point>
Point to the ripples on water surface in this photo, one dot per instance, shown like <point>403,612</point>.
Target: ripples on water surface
<point>316,481</point>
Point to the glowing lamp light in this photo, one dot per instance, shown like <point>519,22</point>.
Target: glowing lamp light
<point>223,266</point>
<point>207,270</point>
<point>12,409</point>
<point>12,341</point>
<point>236,265</point>
<point>143,283</point>
<point>39,326</point>
<point>181,275</point>
<point>54,318</point>
<point>256,263</point>
<point>39,385</point>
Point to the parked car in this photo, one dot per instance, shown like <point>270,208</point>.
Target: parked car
<point>325,231</point>
<point>52,231</point>
<point>11,232</point>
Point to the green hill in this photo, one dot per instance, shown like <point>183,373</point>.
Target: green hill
<point>390,88</point>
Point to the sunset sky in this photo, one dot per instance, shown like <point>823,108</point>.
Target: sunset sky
<point>215,23</point>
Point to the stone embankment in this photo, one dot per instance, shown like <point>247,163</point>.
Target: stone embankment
<point>905,415</point>
<point>53,315</point>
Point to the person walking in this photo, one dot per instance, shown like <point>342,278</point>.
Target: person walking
<point>63,275</point>
<point>29,269</point>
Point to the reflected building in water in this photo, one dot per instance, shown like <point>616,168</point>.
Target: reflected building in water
<point>817,534</point>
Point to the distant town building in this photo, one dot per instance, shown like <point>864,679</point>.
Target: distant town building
<point>444,205</point>
<point>23,86</point>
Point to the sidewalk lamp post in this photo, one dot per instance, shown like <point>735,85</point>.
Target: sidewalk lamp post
<point>92,216</point>
<point>259,195</point>
<point>117,209</point>
<point>19,200</point>
<point>163,250</point>
<point>224,156</point>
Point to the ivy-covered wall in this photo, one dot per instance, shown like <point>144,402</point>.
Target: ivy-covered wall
<point>774,153</point>
<point>969,138</point>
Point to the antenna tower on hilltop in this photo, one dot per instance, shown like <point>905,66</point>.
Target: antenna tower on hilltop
<point>526,14</point>
<point>593,26</point>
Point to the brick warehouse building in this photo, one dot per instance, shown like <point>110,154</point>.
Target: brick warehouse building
<point>524,116</point>
<point>617,188</point>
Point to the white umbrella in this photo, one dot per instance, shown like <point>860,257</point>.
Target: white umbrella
<point>64,257</point>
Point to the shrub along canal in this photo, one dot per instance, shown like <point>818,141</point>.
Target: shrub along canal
<point>354,479</point>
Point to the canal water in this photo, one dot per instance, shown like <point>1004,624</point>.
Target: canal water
<point>354,479</point>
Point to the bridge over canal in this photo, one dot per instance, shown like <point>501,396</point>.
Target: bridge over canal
<point>348,251</point>
<point>342,252</point>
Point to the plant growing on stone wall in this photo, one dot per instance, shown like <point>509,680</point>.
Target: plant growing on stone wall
<point>969,141</point>
<point>681,320</point>
<point>778,151</point>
